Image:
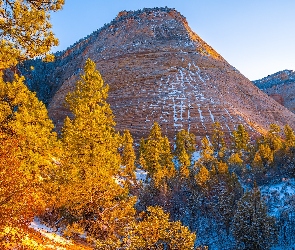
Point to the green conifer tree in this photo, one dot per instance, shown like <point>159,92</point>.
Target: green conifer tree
<point>240,149</point>
<point>128,156</point>
<point>253,228</point>
<point>218,142</point>
<point>93,198</point>
<point>24,118</point>
<point>185,147</point>
<point>289,137</point>
<point>155,231</point>
<point>156,157</point>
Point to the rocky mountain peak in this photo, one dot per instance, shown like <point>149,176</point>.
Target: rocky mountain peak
<point>158,69</point>
<point>281,87</point>
<point>144,29</point>
<point>281,77</point>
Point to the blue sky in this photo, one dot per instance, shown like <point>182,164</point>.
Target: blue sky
<point>255,36</point>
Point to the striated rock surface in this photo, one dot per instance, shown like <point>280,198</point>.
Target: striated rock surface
<point>281,87</point>
<point>159,70</point>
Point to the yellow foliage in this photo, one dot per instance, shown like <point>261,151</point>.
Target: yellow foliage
<point>91,193</point>
<point>235,159</point>
<point>155,231</point>
<point>27,146</point>
<point>263,155</point>
<point>257,160</point>
<point>25,30</point>
<point>218,142</point>
<point>222,168</point>
<point>240,139</point>
<point>128,156</point>
<point>202,176</point>
<point>156,157</point>
<point>28,239</point>
<point>289,136</point>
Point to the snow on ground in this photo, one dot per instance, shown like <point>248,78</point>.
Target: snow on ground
<point>196,156</point>
<point>140,174</point>
<point>280,199</point>
<point>50,234</point>
<point>279,196</point>
<point>284,248</point>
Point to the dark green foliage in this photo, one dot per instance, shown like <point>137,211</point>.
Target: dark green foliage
<point>252,227</point>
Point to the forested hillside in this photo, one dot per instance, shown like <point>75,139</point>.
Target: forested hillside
<point>84,182</point>
<point>91,186</point>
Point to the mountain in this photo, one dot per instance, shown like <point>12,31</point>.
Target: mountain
<point>159,70</point>
<point>281,87</point>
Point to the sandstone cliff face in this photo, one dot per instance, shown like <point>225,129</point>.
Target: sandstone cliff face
<point>159,70</point>
<point>281,87</point>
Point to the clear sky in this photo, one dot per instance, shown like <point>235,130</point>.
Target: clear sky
<point>255,36</point>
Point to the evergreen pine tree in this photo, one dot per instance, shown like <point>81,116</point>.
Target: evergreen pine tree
<point>128,156</point>
<point>24,118</point>
<point>207,158</point>
<point>289,137</point>
<point>25,30</point>
<point>155,231</point>
<point>92,197</point>
<point>19,200</point>
<point>185,147</point>
<point>218,142</point>
<point>240,140</point>
<point>252,227</point>
<point>269,147</point>
<point>156,157</point>
<point>203,176</point>
<point>273,138</point>
<point>240,149</point>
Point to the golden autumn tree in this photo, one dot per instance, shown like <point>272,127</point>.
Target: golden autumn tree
<point>156,159</point>
<point>155,231</point>
<point>185,147</point>
<point>218,141</point>
<point>93,195</point>
<point>156,156</point>
<point>289,137</point>
<point>128,156</point>
<point>240,148</point>
<point>25,30</point>
<point>28,153</point>
<point>18,200</point>
<point>24,118</point>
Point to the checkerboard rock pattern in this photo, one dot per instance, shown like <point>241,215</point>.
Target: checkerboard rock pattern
<point>158,69</point>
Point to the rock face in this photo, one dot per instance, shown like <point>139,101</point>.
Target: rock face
<point>159,70</point>
<point>281,87</point>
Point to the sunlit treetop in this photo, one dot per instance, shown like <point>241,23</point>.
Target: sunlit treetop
<point>25,30</point>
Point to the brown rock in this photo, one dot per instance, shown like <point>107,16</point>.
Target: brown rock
<point>281,87</point>
<point>278,98</point>
<point>159,70</point>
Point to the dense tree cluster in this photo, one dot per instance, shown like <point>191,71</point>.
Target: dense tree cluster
<point>83,182</point>
<point>25,30</point>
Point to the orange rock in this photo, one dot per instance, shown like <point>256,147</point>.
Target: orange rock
<point>159,70</point>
